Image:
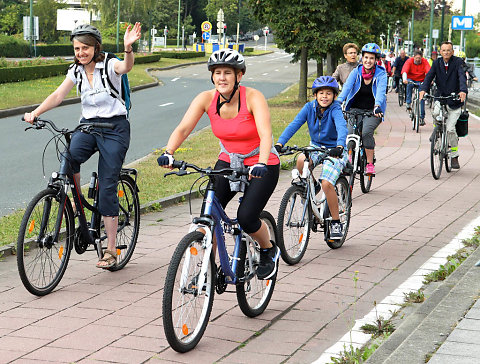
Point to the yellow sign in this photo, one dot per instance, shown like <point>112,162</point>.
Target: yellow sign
<point>206,26</point>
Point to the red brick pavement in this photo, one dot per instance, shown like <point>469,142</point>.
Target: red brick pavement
<point>98,316</point>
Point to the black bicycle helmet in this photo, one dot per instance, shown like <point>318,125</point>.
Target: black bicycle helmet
<point>227,57</point>
<point>85,29</point>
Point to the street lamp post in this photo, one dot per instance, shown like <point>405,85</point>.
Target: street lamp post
<point>178,24</point>
<point>118,25</point>
<point>442,6</point>
<point>432,12</point>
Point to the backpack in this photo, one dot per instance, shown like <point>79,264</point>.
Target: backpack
<point>123,96</point>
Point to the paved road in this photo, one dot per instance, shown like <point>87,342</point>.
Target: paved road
<point>155,113</point>
<point>116,317</point>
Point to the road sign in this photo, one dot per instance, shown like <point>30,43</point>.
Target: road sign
<point>206,35</point>
<point>153,31</point>
<point>462,22</point>
<point>26,28</point>
<point>220,15</point>
<point>206,26</point>
<point>435,33</point>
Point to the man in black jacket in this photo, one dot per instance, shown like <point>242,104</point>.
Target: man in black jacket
<point>450,78</point>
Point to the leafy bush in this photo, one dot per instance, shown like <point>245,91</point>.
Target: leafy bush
<point>180,55</point>
<point>14,74</point>
<point>12,47</point>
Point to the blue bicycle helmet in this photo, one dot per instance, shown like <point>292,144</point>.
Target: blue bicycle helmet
<point>372,48</point>
<point>325,81</point>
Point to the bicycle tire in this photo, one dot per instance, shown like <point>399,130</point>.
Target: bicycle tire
<point>417,113</point>
<point>128,221</point>
<point>436,159</point>
<point>344,196</point>
<point>184,326</point>
<point>365,180</point>
<point>253,295</point>
<point>400,94</point>
<point>293,236</point>
<point>41,264</point>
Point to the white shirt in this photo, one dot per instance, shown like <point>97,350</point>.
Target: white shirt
<point>96,101</point>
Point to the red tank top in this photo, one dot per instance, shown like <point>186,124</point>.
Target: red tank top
<point>239,134</point>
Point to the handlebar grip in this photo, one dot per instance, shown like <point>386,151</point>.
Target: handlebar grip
<point>103,125</point>
<point>178,164</point>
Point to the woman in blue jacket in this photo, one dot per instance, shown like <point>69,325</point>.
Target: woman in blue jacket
<point>327,128</point>
<point>365,91</point>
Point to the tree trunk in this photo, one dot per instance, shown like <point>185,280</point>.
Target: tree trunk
<point>302,90</point>
<point>330,64</point>
<point>320,67</point>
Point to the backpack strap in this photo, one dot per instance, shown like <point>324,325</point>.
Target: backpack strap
<point>78,77</point>
<point>107,83</point>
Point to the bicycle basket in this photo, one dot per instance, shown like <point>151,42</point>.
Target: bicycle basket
<point>462,124</point>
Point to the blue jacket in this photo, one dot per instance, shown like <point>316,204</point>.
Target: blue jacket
<point>447,82</point>
<point>354,81</point>
<point>330,132</point>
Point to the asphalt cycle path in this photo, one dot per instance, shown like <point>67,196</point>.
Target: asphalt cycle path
<point>97,316</point>
<point>155,113</point>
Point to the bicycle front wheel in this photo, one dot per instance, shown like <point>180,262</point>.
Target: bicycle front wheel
<point>42,261</point>
<point>417,113</point>
<point>436,156</point>
<point>253,294</point>
<point>400,94</point>
<point>294,224</point>
<point>186,306</point>
<point>365,180</point>
<point>344,196</point>
<point>128,221</point>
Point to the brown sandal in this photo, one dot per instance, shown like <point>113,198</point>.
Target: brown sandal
<point>109,257</point>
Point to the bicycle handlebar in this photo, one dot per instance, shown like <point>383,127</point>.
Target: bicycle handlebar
<point>85,127</point>
<point>452,96</point>
<point>358,113</point>
<point>182,166</point>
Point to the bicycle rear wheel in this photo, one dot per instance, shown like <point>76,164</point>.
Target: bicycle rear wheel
<point>436,157</point>
<point>294,224</point>
<point>187,307</point>
<point>128,221</point>
<point>253,295</point>
<point>417,113</point>
<point>344,196</point>
<point>41,261</point>
<point>365,180</point>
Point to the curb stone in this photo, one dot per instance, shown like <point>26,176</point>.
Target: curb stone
<point>424,330</point>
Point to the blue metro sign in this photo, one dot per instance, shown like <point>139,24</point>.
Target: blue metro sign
<point>462,22</point>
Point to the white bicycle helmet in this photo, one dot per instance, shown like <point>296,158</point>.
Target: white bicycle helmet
<point>227,57</point>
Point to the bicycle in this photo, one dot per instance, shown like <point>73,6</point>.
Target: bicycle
<point>433,91</point>
<point>301,212</point>
<point>402,93</point>
<point>415,106</point>
<point>439,149</point>
<point>356,150</point>
<point>193,277</point>
<point>48,231</point>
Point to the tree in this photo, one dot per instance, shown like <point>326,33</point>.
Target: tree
<point>46,10</point>
<point>11,16</point>
<point>230,11</point>
<point>323,26</point>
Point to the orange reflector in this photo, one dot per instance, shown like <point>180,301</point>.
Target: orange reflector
<point>193,251</point>
<point>118,252</point>
<point>31,226</point>
<point>268,283</point>
<point>60,252</point>
<point>300,239</point>
<point>185,329</point>
<point>121,193</point>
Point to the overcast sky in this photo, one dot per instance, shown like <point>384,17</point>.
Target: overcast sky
<point>472,6</point>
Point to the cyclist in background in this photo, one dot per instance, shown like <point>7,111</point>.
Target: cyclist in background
<point>240,119</point>
<point>387,65</point>
<point>469,68</point>
<point>432,58</point>
<point>98,106</point>
<point>450,78</point>
<point>397,68</point>
<point>350,52</point>
<point>365,91</point>
<point>327,128</point>
<point>415,69</point>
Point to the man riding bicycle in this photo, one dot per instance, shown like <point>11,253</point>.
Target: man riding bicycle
<point>397,68</point>
<point>450,78</point>
<point>415,69</point>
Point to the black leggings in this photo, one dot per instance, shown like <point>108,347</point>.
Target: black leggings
<point>254,199</point>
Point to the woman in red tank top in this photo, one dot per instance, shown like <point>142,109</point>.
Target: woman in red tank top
<point>240,118</point>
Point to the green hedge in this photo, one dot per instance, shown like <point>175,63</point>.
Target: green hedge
<point>14,74</point>
<point>180,55</point>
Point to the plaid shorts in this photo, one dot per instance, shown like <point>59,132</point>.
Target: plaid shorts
<point>330,171</point>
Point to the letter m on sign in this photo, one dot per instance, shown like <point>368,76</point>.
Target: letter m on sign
<point>462,22</point>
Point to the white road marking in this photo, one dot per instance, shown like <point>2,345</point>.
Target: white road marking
<point>356,337</point>
<point>175,79</point>
<point>166,104</point>
<point>264,74</point>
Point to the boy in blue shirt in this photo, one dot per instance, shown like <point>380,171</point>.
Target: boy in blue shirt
<point>327,128</point>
